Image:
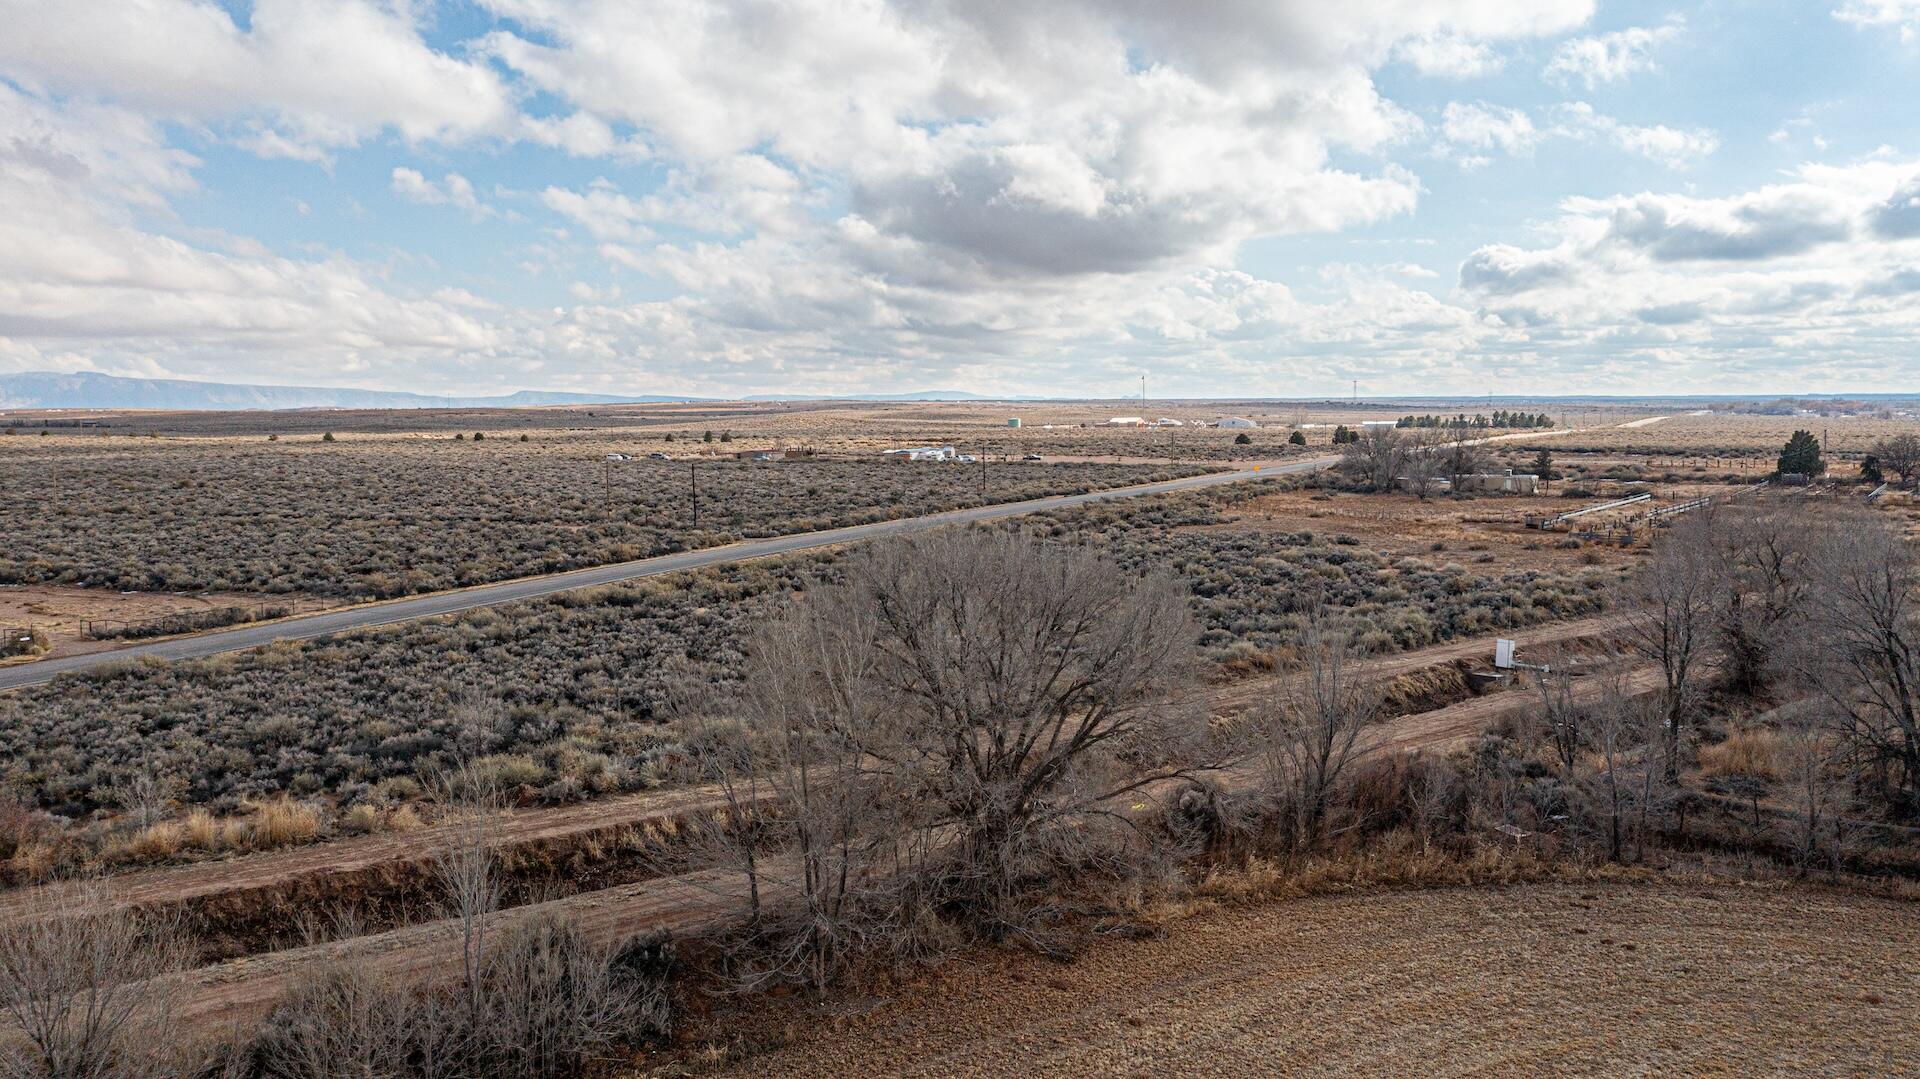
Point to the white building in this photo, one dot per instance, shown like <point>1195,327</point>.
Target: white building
<point>1237,421</point>
<point>1165,421</point>
<point>1127,421</point>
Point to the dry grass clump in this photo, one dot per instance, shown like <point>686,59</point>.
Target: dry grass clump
<point>1752,752</point>
<point>282,822</point>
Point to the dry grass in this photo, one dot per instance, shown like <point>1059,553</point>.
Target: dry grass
<point>1753,753</point>
<point>282,822</point>
<point>1567,979</point>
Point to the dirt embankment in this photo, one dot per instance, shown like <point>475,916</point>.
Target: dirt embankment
<point>1640,979</point>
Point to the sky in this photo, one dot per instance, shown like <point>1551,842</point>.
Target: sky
<point>732,197</point>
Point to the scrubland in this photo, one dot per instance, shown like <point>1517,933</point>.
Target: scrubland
<point>1634,860</point>
<point>388,516</point>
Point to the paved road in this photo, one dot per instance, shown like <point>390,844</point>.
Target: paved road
<point>307,627</point>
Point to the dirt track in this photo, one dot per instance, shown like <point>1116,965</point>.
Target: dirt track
<point>1627,979</point>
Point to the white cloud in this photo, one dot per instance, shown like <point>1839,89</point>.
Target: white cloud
<point>304,77</point>
<point>1469,133</point>
<point>1611,57</point>
<point>81,276</point>
<point>1074,137</point>
<point>1673,147</point>
<point>1816,272</point>
<point>453,190</point>
<point>1903,15</point>
<point>1450,56</point>
<point>1483,127</point>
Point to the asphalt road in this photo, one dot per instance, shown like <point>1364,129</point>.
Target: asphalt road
<point>307,627</point>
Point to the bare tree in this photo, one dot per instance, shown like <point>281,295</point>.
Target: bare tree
<point>1465,457</point>
<point>963,708</point>
<point>1559,712</point>
<point>465,866</point>
<point>1671,607</point>
<point>1376,457</point>
<point>1814,789</point>
<point>1899,455</point>
<point>1628,782</point>
<point>1765,575</point>
<point>1308,733</point>
<point>1862,645</point>
<point>1423,462</point>
<point>82,984</point>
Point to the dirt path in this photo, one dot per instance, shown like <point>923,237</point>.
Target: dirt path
<point>1628,979</point>
<point>300,878</point>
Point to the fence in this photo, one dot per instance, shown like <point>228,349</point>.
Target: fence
<point>101,629</point>
<point>19,640</point>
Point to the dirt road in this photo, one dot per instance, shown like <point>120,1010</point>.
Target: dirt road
<point>1620,979</point>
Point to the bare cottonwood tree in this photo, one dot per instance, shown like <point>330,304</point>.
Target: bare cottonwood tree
<point>1670,617</point>
<point>950,716</point>
<point>1424,463</point>
<point>1765,574</point>
<point>1899,455</point>
<point>1627,783</point>
<point>83,992</point>
<point>1559,712</point>
<point>1376,457</point>
<point>1862,645</point>
<point>1307,733</point>
<point>1465,457</point>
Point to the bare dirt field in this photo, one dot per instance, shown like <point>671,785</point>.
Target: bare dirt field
<point>1737,434</point>
<point>1564,979</point>
<point>1488,533</point>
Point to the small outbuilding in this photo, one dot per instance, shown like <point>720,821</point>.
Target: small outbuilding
<point>1237,421</point>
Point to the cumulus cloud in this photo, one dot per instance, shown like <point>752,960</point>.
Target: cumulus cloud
<point>1902,15</point>
<point>1483,127</point>
<point>80,275</point>
<point>1799,269</point>
<point>1470,132</point>
<point>1611,57</point>
<point>1450,56</point>
<point>1673,147</point>
<point>304,77</point>
<point>453,190</point>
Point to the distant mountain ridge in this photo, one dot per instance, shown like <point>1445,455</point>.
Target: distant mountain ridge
<point>48,389</point>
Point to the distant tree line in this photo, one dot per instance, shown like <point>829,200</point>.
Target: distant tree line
<point>1501,419</point>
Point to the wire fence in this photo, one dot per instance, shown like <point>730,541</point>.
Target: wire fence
<point>102,629</point>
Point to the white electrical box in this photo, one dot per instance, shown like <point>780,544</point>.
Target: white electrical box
<point>1503,654</point>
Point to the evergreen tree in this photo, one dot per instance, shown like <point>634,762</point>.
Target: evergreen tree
<point>1802,455</point>
<point>1870,470</point>
<point>1297,439</point>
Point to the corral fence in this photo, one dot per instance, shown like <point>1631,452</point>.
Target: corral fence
<point>168,625</point>
<point>19,640</point>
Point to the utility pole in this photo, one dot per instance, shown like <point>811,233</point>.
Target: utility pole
<point>606,485</point>
<point>693,477</point>
<point>1143,394</point>
<point>983,475</point>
